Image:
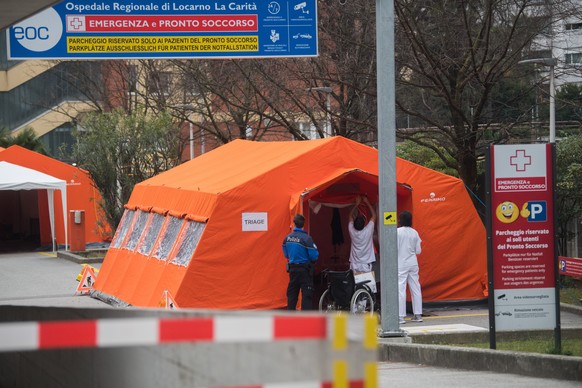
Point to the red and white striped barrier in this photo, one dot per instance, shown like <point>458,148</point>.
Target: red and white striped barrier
<point>347,358</point>
<point>307,384</point>
<point>21,336</point>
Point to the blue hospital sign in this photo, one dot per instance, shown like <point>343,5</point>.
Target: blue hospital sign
<point>167,29</point>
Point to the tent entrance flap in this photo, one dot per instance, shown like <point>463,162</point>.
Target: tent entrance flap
<point>19,219</point>
<point>327,209</point>
<point>14,177</point>
<point>343,188</point>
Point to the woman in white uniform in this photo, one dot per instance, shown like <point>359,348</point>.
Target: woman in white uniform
<point>362,235</point>
<point>408,247</point>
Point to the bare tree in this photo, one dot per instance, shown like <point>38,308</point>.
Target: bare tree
<point>346,64</point>
<point>234,99</point>
<point>452,58</point>
<point>278,98</point>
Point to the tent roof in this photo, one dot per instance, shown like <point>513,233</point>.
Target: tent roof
<point>24,157</point>
<point>242,165</point>
<point>13,177</point>
<point>230,166</point>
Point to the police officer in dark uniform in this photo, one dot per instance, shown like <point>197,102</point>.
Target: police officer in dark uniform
<point>301,253</point>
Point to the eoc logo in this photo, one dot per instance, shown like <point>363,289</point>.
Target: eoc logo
<point>40,32</point>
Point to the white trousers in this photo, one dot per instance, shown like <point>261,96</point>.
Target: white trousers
<point>409,276</point>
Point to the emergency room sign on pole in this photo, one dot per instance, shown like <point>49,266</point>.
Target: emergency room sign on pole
<point>522,258</point>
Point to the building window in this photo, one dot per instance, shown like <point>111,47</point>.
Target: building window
<point>573,26</point>
<point>538,54</point>
<point>307,129</point>
<point>132,75</point>
<point>159,82</point>
<point>573,58</point>
<point>541,19</point>
<point>59,142</point>
<point>34,97</point>
<point>190,88</point>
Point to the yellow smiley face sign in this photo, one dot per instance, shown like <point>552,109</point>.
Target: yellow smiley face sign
<point>507,212</point>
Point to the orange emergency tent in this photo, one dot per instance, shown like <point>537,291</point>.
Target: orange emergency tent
<point>210,231</point>
<point>81,195</point>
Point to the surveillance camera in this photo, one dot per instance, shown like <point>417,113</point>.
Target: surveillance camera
<point>300,6</point>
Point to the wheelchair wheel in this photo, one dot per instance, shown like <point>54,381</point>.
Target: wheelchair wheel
<point>326,302</point>
<point>362,302</point>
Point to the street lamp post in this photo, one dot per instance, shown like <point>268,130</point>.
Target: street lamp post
<point>191,139</point>
<point>551,62</point>
<point>327,90</point>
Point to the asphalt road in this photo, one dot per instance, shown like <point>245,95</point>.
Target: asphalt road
<point>42,279</point>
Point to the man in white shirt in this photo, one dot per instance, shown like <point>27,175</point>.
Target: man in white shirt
<point>361,233</point>
<point>408,247</point>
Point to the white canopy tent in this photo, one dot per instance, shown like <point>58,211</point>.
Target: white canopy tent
<point>14,177</point>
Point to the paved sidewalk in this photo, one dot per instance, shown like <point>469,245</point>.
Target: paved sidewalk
<point>473,319</point>
<point>399,374</point>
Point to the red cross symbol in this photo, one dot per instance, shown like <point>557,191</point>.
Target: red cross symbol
<point>520,160</point>
<point>75,23</point>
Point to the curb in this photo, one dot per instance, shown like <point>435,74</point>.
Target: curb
<point>426,349</point>
<point>71,256</point>
<point>539,365</point>
<point>571,308</point>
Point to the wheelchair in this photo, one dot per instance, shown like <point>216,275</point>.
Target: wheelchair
<point>344,294</point>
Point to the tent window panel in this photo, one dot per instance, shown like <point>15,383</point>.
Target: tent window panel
<point>136,232</point>
<point>151,234</point>
<point>123,228</point>
<point>165,247</point>
<point>192,234</point>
